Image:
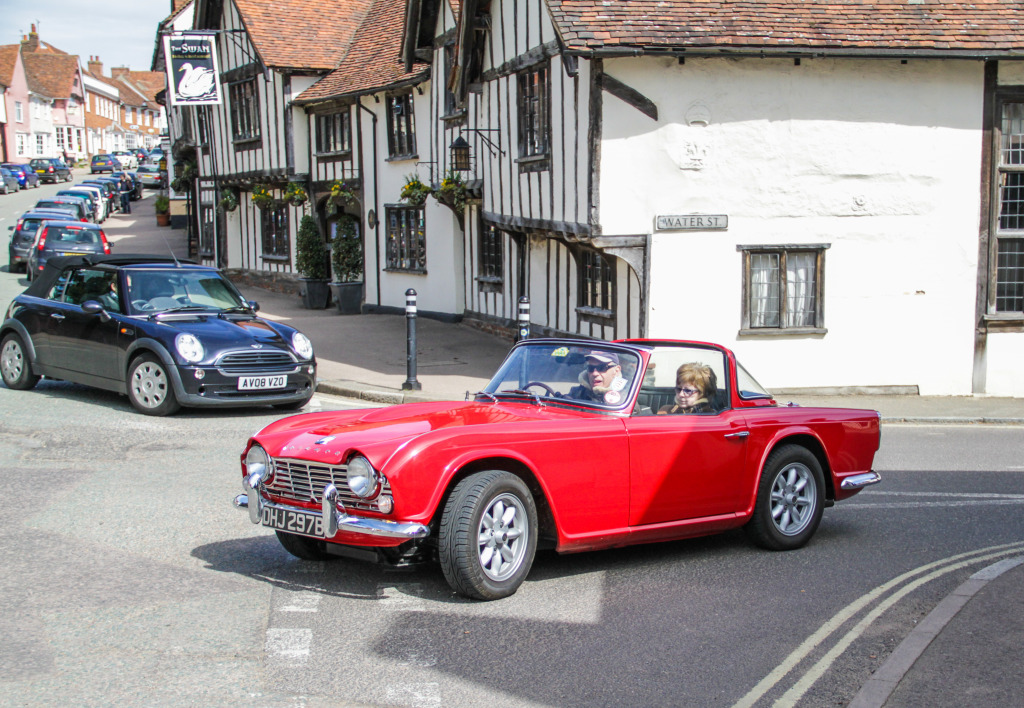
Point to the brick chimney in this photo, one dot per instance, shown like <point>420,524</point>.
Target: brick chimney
<point>31,43</point>
<point>95,66</point>
<point>119,71</point>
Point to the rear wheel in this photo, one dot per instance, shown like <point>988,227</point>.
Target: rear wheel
<point>15,367</point>
<point>488,535</point>
<point>309,549</point>
<point>790,500</point>
<point>149,387</point>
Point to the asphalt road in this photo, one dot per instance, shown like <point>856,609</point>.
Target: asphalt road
<point>128,579</point>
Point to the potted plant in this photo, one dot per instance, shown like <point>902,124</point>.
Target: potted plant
<point>262,197</point>
<point>295,194</point>
<point>347,266</point>
<point>162,206</point>
<point>229,199</point>
<point>415,192</point>
<point>452,192</point>
<point>311,263</point>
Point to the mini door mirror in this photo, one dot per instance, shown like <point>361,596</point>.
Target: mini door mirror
<point>93,307</point>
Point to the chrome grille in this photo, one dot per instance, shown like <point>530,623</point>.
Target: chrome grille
<point>304,481</point>
<point>254,361</point>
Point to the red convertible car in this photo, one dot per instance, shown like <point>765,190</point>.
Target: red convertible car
<point>573,445</point>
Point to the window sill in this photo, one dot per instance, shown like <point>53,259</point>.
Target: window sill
<point>241,144</point>
<point>782,332</point>
<point>454,117</point>
<point>333,156</point>
<point>402,158</point>
<point>276,259</point>
<point>1004,322</point>
<point>407,271</point>
<point>595,313</point>
<point>534,163</point>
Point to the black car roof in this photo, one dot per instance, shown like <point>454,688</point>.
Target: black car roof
<point>43,283</point>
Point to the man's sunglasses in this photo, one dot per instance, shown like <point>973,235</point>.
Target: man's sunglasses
<point>599,367</point>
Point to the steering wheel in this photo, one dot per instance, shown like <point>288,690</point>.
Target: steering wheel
<point>550,391</point>
<point>141,305</point>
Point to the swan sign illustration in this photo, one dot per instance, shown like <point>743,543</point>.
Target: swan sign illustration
<point>192,69</point>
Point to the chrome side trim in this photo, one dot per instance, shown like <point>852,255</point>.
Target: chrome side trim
<point>859,481</point>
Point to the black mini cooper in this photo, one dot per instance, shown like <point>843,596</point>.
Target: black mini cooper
<point>167,333</point>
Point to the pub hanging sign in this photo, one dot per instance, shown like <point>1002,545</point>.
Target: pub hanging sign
<point>191,61</point>
<point>692,222</point>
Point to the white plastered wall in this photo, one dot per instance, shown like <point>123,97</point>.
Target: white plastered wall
<point>879,159</point>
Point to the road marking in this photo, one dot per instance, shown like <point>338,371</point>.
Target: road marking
<point>290,646</point>
<point>839,619</point>
<point>300,602</point>
<point>402,597</point>
<point>949,499</point>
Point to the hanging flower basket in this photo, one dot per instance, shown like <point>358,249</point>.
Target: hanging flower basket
<point>414,192</point>
<point>452,193</point>
<point>341,195</point>
<point>295,194</point>
<point>229,199</point>
<point>262,197</point>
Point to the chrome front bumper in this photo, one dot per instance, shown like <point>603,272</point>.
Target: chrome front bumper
<point>334,516</point>
<point>859,481</point>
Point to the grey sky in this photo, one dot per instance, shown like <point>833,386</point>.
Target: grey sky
<point>120,32</point>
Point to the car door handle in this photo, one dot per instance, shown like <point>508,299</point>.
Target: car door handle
<point>57,316</point>
<point>739,435</point>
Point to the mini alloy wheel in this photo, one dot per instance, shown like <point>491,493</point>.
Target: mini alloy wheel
<point>15,368</point>
<point>149,387</point>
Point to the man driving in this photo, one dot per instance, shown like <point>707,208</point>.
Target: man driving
<point>601,381</point>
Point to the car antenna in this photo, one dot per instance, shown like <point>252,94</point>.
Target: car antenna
<point>171,251</point>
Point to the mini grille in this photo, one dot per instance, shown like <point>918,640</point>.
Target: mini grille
<point>256,361</point>
<point>304,481</point>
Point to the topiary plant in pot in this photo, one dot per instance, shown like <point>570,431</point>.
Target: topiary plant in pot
<point>311,263</point>
<point>347,266</point>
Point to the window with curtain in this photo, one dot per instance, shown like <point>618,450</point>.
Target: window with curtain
<point>783,289</point>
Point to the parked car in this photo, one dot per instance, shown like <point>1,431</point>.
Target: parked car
<point>151,176</point>
<point>564,448</point>
<point>140,155</point>
<point>64,238</point>
<point>26,177</point>
<point>127,159</point>
<point>8,182</point>
<point>82,209</point>
<point>103,163</point>
<point>167,333</point>
<point>136,184</point>
<point>109,188</point>
<point>96,199</point>
<point>51,169</point>
<point>24,233</point>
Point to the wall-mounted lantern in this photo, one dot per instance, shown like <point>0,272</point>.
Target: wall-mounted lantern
<point>460,155</point>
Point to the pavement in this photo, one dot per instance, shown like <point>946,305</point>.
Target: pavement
<point>968,650</point>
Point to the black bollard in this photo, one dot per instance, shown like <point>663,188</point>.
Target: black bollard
<point>524,319</point>
<point>411,384</point>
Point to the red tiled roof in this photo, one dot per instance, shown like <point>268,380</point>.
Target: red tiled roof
<point>50,74</point>
<point>297,34</point>
<point>374,60</point>
<point>809,25</point>
<point>8,58</point>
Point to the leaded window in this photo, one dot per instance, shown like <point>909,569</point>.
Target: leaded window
<point>596,283</point>
<point>406,246</point>
<point>276,239</point>
<point>206,231</point>
<point>491,251</point>
<point>783,288</point>
<point>1009,237</point>
<point>245,112</point>
<point>401,126</point>
<point>333,133</point>
<point>534,103</point>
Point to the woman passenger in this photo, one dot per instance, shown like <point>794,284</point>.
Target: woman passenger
<point>695,385</point>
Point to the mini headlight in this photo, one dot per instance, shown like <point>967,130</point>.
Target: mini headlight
<point>258,461</point>
<point>363,480</point>
<point>302,345</point>
<point>189,347</point>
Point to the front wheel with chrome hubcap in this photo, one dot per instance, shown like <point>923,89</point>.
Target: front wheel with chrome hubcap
<point>149,387</point>
<point>15,367</point>
<point>790,500</point>
<point>488,535</point>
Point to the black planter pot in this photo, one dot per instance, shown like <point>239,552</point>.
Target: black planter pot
<point>348,297</point>
<point>316,293</point>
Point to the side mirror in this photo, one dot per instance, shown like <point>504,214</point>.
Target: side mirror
<point>93,307</point>
<point>254,305</point>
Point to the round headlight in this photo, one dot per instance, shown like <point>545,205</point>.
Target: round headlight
<point>363,480</point>
<point>189,347</point>
<point>257,461</point>
<point>302,345</point>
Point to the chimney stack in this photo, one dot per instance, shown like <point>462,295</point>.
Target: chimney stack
<point>95,66</point>
<point>31,43</point>
<point>119,71</point>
